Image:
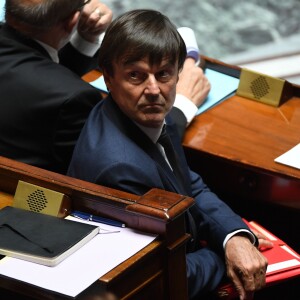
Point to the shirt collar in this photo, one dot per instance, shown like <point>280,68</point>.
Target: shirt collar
<point>51,51</point>
<point>152,133</point>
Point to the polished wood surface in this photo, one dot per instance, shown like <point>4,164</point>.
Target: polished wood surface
<point>158,270</point>
<point>250,135</point>
<point>91,76</point>
<point>233,146</point>
<point>5,199</point>
<point>248,132</point>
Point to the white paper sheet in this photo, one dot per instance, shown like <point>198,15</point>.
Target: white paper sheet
<point>290,158</point>
<point>77,272</point>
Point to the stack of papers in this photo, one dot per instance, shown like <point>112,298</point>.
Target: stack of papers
<point>283,263</point>
<point>222,87</point>
<point>78,271</point>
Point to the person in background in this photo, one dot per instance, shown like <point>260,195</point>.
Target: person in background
<point>45,48</point>
<point>129,142</point>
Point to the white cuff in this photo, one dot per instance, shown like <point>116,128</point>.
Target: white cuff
<point>188,108</point>
<point>85,47</point>
<point>250,234</point>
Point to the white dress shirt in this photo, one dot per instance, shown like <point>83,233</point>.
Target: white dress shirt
<point>80,44</point>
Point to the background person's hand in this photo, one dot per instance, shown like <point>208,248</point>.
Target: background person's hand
<point>94,19</point>
<point>193,83</point>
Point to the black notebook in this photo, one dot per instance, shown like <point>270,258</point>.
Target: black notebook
<point>41,238</point>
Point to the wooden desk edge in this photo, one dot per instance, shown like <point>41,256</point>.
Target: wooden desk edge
<point>156,203</point>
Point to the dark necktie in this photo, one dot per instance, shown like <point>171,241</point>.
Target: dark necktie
<point>165,141</point>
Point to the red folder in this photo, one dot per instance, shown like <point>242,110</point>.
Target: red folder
<point>283,263</point>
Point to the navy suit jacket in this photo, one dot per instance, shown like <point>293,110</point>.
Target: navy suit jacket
<point>43,104</point>
<point>114,152</point>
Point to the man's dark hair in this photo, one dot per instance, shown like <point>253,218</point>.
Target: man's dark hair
<point>43,13</point>
<point>140,33</point>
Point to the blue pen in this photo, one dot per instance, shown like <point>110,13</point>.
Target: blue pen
<point>90,217</point>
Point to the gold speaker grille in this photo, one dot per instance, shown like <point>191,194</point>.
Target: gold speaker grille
<point>37,201</point>
<point>41,200</point>
<point>259,87</point>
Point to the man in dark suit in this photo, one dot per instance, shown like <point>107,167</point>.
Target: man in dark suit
<point>44,102</point>
<point>121,146</point>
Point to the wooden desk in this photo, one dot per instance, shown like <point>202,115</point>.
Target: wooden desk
<point>156,272</point>
<point>233,146</point>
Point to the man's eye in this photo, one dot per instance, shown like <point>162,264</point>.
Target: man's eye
<point>134,75</point>
<point>163,75</point>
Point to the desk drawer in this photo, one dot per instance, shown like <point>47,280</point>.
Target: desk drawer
<point>226,177</point>
<point>272,201</point>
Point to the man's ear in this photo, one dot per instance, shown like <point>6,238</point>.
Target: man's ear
<point>71,22</point>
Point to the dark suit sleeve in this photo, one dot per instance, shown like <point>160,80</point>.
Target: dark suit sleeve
<point>70,121</point>
<point>214,218</point>
<point>75,61</point>
<point>129,178</point>
<point>205,270</point>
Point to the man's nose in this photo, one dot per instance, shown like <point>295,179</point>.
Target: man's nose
<point>152,86</point>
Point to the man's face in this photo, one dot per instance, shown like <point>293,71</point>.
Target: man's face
<point>144,93</point>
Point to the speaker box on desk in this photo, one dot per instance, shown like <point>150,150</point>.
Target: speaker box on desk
<point>39,199</point>
<point>263,88</point>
